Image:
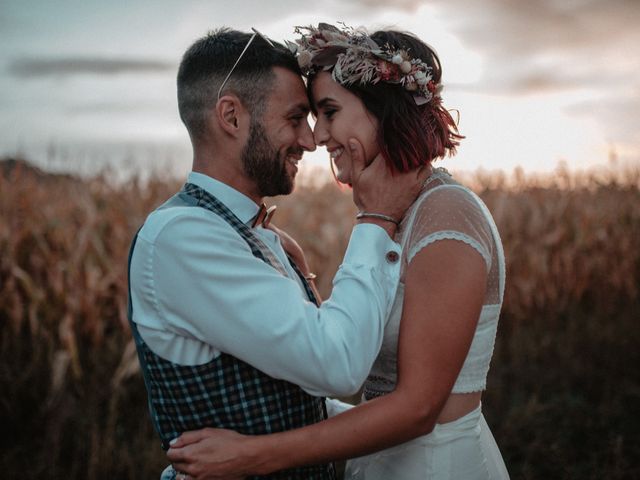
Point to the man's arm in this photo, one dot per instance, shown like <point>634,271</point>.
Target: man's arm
<point>208,287</point>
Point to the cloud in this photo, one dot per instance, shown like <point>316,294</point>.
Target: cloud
<point>117,107</point>
<point>621,112</point>
<point>584,50</point>
<point>67,66</point>
<point>522,78</point>
<point>508,26</point>
<point>555,45</point>
<point>407,5</point>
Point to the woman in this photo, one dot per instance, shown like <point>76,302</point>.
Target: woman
<point>374,96</point>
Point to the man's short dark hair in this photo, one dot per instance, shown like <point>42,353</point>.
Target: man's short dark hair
<point>207,62</point>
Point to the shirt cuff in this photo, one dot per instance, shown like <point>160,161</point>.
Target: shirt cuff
<point>370,245</point>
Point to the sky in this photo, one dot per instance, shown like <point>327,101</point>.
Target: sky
<point>535,82</point>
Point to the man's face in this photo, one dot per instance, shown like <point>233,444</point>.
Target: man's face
<point>278,139</point>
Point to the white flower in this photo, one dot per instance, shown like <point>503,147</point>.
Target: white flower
<point>422,80</point>
<point>397,59</point>
<point>405,66</point>
<point>420,74</point>
<point>304,59</point>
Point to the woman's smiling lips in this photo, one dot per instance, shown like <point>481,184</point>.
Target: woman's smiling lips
<point>335,152</point>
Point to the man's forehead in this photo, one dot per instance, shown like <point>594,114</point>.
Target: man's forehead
<point>289,92</point>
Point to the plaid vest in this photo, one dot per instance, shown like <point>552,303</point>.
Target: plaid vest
<point>226,392</point>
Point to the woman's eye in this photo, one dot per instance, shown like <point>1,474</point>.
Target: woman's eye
<point>329,112</point>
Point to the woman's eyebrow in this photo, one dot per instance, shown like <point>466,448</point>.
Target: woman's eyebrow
<point>323,102</point>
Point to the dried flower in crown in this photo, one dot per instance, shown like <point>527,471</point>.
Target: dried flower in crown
<point>354,57</point>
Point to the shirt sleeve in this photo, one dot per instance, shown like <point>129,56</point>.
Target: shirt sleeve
<point>208,286</point>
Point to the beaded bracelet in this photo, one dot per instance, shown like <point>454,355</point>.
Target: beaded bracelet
<point>379,216</point>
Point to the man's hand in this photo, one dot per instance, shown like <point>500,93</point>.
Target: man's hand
<point>210,454</point>
<point>378,190</point>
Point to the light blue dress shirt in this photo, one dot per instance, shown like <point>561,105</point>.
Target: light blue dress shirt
<point>197,291</point>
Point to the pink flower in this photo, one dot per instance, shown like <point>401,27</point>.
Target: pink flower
<point>388,71</point>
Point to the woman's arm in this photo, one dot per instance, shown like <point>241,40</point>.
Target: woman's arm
<point>444,292</point>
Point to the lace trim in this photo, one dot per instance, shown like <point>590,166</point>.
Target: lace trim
<point>450,235</point>
<point>370,394</point>
<point>469,386</point>
<point>378,379</point>
<point>375,386</point>
<point>435,174</point>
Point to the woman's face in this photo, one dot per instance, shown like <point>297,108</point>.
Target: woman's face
<point>341,116</point>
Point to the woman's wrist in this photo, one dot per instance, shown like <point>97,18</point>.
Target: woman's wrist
<point>264,457</point>
<point>377,216</point>
<point>389,227</point>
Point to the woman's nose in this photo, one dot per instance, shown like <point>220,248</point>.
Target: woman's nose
<point>320,134</point>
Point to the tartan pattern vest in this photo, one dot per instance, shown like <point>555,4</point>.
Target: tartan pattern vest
<point>226,392</point>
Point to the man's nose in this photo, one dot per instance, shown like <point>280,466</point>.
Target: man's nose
<point>306,140</point>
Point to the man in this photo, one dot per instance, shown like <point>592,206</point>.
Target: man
<point>228,330</point>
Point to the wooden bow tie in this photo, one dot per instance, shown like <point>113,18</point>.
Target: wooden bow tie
<point>264,216</point>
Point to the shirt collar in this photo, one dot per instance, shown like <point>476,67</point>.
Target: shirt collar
<point>242,206</point>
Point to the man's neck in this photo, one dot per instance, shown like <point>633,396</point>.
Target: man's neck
<point>227,172</point>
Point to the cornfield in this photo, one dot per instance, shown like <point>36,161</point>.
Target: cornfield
<point>563,393</point>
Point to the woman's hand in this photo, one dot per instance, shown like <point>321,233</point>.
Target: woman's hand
<point>376,189</point>
<point>211,453</point>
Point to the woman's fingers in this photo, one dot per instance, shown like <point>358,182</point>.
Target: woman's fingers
<point>207,454</point>
<point>377,189</point>
<point>179,457</point>
<point>182,475</point>
<point>357,158</point>
<point>188,438</point>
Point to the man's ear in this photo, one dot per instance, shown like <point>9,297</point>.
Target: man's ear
<point>230,114</point>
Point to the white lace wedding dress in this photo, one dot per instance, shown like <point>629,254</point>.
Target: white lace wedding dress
<point>465,448</point>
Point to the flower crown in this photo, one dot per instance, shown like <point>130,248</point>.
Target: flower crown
<point>356,58</point>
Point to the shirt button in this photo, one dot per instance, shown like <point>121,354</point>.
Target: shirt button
<point>392,257</point>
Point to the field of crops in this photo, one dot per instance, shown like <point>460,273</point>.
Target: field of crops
<point>563,393</point>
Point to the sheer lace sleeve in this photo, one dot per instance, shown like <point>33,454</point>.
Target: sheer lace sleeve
<point>449,212</point>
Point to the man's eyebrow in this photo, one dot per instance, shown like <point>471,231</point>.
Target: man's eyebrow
<point>301,108</point>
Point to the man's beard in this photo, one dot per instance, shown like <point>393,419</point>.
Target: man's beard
<point>263,164</point>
